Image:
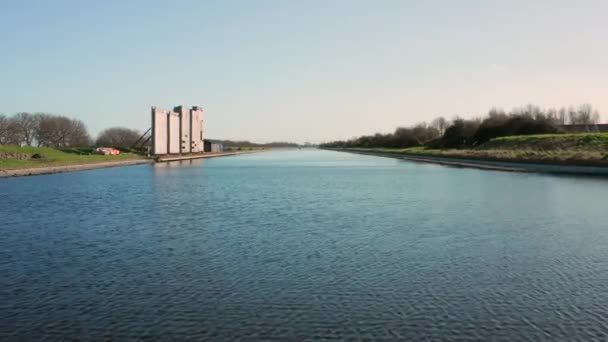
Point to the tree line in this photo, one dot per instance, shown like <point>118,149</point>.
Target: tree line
<point>246,143</point>
<point>58,131</point>
<point>462,133</point>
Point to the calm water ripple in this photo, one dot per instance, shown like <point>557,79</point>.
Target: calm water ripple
<point>303,245</point>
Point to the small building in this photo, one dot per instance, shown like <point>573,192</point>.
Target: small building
<point>214,146</point>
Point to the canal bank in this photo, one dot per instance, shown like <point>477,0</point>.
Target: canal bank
<point>45,170</point>
<point>171,158</point>
<point>497,165</point>
<point>51,169</point>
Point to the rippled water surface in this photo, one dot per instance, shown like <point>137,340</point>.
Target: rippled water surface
<point>303,245</point>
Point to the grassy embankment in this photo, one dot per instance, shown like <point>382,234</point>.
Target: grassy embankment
<point>589,148</point>
<point>51,157</point>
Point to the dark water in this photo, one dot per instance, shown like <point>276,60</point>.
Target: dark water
<point>303,245</point>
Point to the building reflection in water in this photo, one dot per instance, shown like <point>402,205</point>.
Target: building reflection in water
<point>166,168</point>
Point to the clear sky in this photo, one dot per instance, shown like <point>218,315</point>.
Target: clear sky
<point>299,70</point>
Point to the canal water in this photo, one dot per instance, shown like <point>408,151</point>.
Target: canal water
<point>303,245</point>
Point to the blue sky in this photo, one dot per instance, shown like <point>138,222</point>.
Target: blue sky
<point>299,70</point>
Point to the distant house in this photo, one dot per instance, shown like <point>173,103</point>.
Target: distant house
<point>213,146</point>
<point>590,128</point>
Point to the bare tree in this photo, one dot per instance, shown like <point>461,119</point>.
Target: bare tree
<point>78,134</point>
<point>440,124</point>
<point>572,115</point>
<point>59,132</point>
<point>528,111</point>
<point>25,125</point>
<point>595,117</point>
<point>495,117</point>
<point>3,129</point>
<point>497,113</point>
<point>561,116</point>
<point>424,133</point>
<point>119,137</point>
<point>8,131</point>
<point>585,111</point>
<point>583,115</point>
<point>552,116</point>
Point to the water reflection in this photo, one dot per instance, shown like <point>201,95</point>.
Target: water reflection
<point>160,168</point>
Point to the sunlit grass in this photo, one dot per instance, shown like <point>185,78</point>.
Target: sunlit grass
<point>588,142</point>
<point>575,148</point>
<point>53,157</point>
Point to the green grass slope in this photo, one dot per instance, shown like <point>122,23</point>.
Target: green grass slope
<point>597,142</point>
<point>51,157</point>
<point>576,149</point>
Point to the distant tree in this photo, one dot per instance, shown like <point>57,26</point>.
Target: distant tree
<point>497,114</point>
<point>562,118</point>
<point>595,117</point>
<point>424,133</point>
<point>454,135</point>
<point>585,112</point>
<point>4,122</point>
<point>440,124</point>
<point>118,137</point>
<point>572,115</point>
<point>25,125</point>
<point>552,116</point>
<point>532,111</point>
<point>460,133</point>
<point>245,143</point>
<point>9,134</point>
<point>529,119</point>
<point>79,134</point>
<point>529,111</point>
<point>60,132</point>
<point>583,115</point>
<point>403,137</point>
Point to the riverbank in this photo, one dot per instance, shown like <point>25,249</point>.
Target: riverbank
<point>537,166</point>
<point>32,161</point>
<point>172,158</point>
<point>549,153</point>
<point>45,170</point>
<point>17,161</point>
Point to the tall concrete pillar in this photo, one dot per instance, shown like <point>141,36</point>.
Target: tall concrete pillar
<point>184,129</point>
<point>196,129</point>
<point>160,132</point>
